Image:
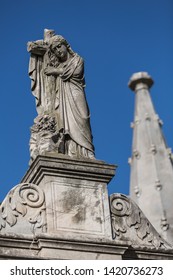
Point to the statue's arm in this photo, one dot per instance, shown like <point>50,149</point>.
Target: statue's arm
<point>49,70</point>
<point>76,68</point>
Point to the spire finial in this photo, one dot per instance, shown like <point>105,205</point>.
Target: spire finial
<point>140,80</point>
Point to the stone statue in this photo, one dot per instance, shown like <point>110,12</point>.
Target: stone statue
<point>57,82</point>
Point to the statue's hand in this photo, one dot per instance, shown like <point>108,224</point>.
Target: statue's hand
<point>53,71</point>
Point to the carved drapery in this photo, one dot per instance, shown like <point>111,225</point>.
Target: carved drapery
<point>57,83</point>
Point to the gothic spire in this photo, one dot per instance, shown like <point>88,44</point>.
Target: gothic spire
<point>151,179</point>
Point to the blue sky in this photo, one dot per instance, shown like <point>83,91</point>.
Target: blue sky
<point>116,38</point>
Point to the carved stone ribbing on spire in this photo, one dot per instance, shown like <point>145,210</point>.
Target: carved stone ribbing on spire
<point>152,172</point>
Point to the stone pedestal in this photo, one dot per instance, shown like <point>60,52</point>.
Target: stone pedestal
<point>76,196</point>
<point>61,210</point>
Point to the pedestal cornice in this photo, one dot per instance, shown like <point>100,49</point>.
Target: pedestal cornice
<point>64,166</point>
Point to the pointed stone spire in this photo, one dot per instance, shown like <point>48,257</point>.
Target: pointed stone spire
<point>151,179</point>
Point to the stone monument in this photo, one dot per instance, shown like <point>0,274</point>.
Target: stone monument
<point>57,82</point>
<point>61,208</point>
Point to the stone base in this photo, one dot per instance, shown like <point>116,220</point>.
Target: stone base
<point>50,247</point>
<point>76,196</point>
<point>61,210</point>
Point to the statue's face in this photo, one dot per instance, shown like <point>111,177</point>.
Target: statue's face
<point>60,50</point>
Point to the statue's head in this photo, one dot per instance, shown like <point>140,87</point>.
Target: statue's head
<point>59,44</point>
<point>57,39</point>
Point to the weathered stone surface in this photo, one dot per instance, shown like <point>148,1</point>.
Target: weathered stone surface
<point>140,79</point>
<point>77,223</point>
<point>130,224</point>
<point>61,208</point>
<point>76,195</point>
<point>23,210</point>
<point>57,83</point>
<point>65,166</point>
<point>50,247</point>
<point>151,180</point>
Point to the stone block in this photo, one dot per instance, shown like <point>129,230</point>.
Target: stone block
<point>76,195</point>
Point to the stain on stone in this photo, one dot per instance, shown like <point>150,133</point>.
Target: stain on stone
<point>97,256</point>
<point>99,220</point>
<point>72,198</point>
<point>97,203</point>
<point>80,216</point>
<point>95,192</point>
<point>74,203</point>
